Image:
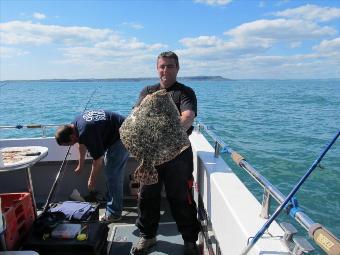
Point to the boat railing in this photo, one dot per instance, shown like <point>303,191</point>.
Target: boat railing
<point>43,127</point>
<point>322,237</point>
<point>270,191</point>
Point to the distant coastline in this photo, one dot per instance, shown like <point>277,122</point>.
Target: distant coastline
<point>184,78</point>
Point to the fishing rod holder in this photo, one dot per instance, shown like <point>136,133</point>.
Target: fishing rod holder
<point>33,126</point>
<point>302,246</point>
<point>297,245</point>
<point>289,232</point>
<point>266,201</point>
<point>219,146</point>
<point>219,149</point>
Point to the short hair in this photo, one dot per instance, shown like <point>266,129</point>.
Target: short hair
<point>168,54</point>
<point>63,134</point>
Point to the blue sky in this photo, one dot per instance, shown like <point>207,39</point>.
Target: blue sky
<point>236,39</point>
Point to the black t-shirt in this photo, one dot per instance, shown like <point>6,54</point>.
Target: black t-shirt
<point>98,130</point>
<point>183,96</point>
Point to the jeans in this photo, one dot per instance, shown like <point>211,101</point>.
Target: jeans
<point>115,160</point>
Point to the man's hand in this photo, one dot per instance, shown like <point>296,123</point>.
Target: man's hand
<point>78,170</point>
<point>91,183</point>
<point>187,119</point>
<point>96,166</point>
<point>82,152</point>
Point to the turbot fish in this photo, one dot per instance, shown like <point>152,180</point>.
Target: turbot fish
<point>152,133</point>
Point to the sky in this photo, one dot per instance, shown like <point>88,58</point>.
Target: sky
<point>236,39</point>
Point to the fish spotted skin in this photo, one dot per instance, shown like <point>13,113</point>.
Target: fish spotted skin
<point>152,133</point>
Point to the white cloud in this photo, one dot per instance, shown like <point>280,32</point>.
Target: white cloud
<point>311,12</point>
<point>38,15</point>
<point>83,48</point>
<point>329,46</point>
<point>213,2</point>
<point>248,51</point>
<point>26,32</point>
<point>106,64</point>
<point>259,49</point>
<point>133,25</point>
<point>19,32</point>
<point>269,31</point>
<point>295,44</point>
<point>102,53</point>
<point>254,38</point>
<point>262,4</point>
<point>6,52</point>
<point>133,43</point>
<point>266,66</point>
<point>202,41</point>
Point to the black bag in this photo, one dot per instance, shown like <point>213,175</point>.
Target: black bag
<point>95,244</point>
<point>46,222</point>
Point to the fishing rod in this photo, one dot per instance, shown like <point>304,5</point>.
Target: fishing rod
<point>63,164</point>
<point>90,98</point>
<point>43,127</point>
<point>56,181</point>
<point>3,84</point>
<point>328,241</point>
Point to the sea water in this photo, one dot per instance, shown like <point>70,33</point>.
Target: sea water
<point>280,126</point>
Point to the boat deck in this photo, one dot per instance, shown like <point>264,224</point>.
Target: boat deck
<point>122,234</point>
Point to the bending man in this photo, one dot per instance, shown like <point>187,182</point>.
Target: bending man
<point>98,132</point>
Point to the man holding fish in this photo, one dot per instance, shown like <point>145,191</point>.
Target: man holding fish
<point>176,174</point>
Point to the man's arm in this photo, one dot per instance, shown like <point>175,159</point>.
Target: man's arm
<point>96,167</point>
<point>82,152</point>
<point>187,118</point>
<point>188,107</point>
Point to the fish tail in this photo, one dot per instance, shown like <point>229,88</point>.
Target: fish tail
<point>146,175</point>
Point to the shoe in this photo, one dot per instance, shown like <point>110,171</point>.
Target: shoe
<point>190,248</point>
<point>143,245</point>
<point>110,218</point>
<point>95,196</point>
